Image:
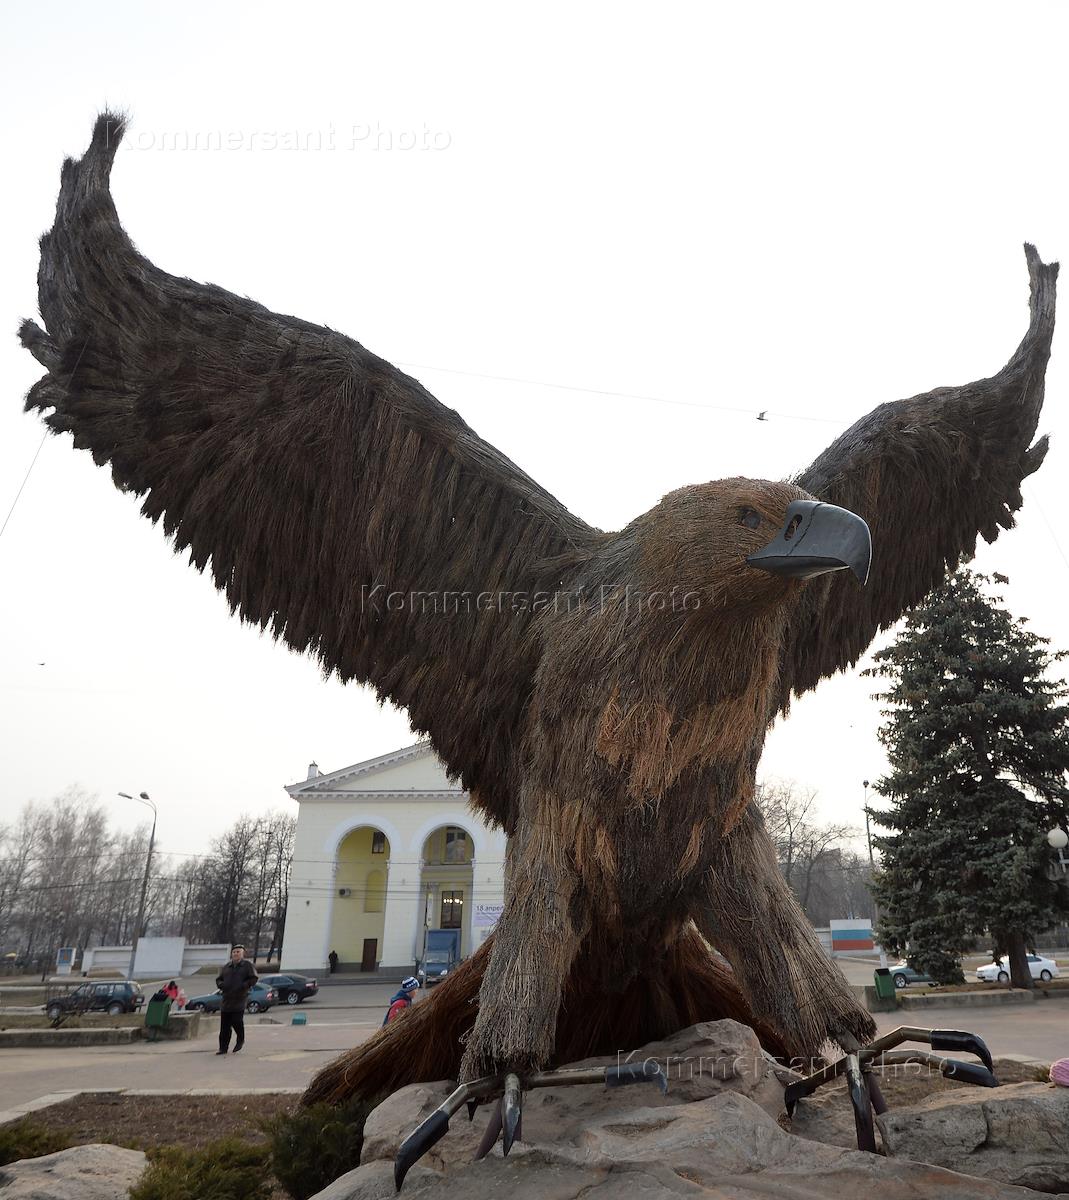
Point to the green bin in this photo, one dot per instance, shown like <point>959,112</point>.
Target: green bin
<point>156,1014</point>
<point>885,985</point>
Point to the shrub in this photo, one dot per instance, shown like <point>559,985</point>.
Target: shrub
<point>228,1169</point>
<point>27,1139</point>
<point>311,1147</point>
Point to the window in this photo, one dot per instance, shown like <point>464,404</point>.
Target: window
<point>452,909</point>
<point>378,842</point>
<point>456,845</point>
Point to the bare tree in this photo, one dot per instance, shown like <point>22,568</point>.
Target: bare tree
<point>812,855</point>
<point>68,878</point>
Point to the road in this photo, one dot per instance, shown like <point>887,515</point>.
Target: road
<point>278,1054</point>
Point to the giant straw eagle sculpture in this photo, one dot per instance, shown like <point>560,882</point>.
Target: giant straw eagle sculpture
<point>614,738</point>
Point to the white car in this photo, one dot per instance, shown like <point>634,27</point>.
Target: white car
<point>1041,968</point>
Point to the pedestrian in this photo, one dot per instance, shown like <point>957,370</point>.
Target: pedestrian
<point>332,958</point>
<point>170,990</point>
<point>402,999</point>
<point>234,981</point>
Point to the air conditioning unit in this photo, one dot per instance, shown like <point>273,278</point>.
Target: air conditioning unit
<point>345,891</point>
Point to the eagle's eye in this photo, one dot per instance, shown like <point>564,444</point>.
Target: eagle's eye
<point>750,518</point>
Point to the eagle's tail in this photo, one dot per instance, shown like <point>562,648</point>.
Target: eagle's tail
<point>688,984</point>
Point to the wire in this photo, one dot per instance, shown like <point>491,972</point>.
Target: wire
<point>25,480</point>
<point>758,414</point>
<point>1050,528</point>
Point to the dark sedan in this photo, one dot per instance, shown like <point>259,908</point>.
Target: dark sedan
<point>292,989</point>
<point>905,976</point>
<point>260,999</point>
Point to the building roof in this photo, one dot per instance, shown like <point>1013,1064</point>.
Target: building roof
<point>341,782</point>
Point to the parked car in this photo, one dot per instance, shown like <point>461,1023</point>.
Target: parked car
<point>999,972</point>
<point>435,967</point>
<point>292,989</point>
<point>260,999</point>
<point>102,995</point>
<point>905,976</point>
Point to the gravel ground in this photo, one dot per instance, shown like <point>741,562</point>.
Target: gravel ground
<point>142,1122</point>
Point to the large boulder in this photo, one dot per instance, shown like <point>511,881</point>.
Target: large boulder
<point>702,1061</point>
<point>1018,1133</point>
<point>94,1172</point>
<point>722,1146</point>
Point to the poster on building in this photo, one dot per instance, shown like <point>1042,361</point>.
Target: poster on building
<point>487,916</point>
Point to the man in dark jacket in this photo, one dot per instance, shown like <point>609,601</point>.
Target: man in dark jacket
<point>234,981</point>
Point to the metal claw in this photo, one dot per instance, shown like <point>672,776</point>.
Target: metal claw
<point>434,1127</point>
<point>968,1072</point>
<point>879,1104</point>
<point>969,1043</point>
<point>418,1142</point>
<point>858,1061</point>
<point>510,1112</point>
<point>952,1068</point>
<point>638,1072</point>
<point>861,1102</point>
<point>507,1116</point>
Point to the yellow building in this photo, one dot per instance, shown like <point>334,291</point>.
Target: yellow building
<point>385,850</point>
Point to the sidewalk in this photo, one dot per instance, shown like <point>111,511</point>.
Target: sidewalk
<point>275,1056</point>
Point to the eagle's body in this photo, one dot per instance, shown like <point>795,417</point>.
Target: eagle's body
<point>604,697</point>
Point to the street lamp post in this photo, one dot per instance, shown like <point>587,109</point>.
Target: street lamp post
<point>872,865</point>
<point>143,798</point>
<point>868,834</point>
<point>1057,840</point>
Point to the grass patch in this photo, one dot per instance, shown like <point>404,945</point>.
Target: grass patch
<point>29,1139</point>
<point>228,1169</point>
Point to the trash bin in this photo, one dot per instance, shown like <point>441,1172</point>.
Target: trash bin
<point>885,985</point>
<point>156,1014</point>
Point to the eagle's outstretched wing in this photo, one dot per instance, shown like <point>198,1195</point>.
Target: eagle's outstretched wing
<point>928,474</point>
<point>336,501</point>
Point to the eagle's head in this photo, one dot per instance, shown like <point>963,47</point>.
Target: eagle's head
<point>750,540</point>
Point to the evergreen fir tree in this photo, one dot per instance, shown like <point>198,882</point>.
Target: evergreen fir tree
<point>977,737</point>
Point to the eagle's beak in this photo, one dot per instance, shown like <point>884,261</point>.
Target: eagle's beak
<point>817,538</point>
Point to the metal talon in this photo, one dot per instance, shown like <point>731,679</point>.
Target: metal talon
<point>969,1043</point>
<point>506,1120</point>
<point>972,1073</point>
<point>638,1072</point>
<point>879,1104</point>
<point>418,1142</point>
<point>434,1127</point>
<point>861,1102</point>
<point>858,1061</point>
<point>510,1112</point>
<point>952,1068</point>
<point>490,1134</point>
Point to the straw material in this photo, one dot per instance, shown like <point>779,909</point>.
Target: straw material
<point>604,697</point>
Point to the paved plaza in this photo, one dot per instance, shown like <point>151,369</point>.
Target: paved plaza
<point>280,1055</point>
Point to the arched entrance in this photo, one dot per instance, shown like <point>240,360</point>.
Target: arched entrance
<point>446,884</point>
<point>359,908</point>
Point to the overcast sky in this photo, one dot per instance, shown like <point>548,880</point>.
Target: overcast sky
<point>806,209</point>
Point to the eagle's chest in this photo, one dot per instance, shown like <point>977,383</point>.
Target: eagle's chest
<point>650,861</point>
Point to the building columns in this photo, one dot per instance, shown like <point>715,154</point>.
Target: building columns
<point>404,901</point>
